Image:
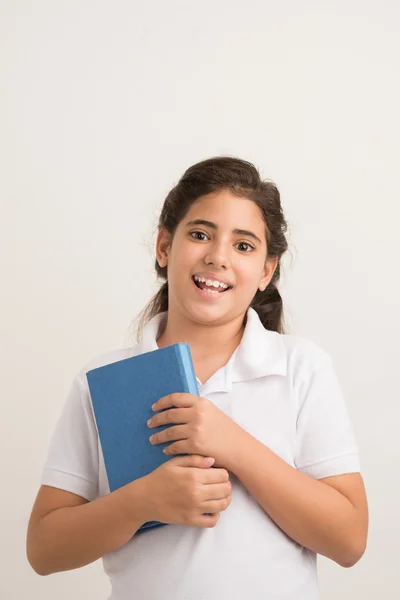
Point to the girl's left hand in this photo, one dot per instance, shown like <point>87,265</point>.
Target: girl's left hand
<point>201,428</point>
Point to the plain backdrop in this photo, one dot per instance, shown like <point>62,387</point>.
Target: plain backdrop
<point>103,107</point>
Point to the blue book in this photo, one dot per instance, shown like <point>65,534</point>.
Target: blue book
<point>122,395</point>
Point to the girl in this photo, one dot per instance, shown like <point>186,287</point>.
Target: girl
<point>270,418</point>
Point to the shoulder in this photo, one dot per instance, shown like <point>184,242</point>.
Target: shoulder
<point>303,356</point>
<point>311,371</point>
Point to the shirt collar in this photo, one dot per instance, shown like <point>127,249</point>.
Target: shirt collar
<point>261,352</point>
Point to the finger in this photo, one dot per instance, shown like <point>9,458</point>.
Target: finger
<point>179,432</point>
<point>193,460</point>
<point>173,415</point>
<point>215,476</point>
<point>179,400</point>
<point>181,447</point>
<point>218,491</point>
<point>213,506</point>
<point>206,520</point>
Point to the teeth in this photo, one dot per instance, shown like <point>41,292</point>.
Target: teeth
<point>211,282</point>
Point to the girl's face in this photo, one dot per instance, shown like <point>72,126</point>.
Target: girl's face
<point>221,239</point>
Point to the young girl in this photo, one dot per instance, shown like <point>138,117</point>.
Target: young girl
<point>270,418</point>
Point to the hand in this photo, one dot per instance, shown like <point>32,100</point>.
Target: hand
<point>203,428</point>
<point>185,491</point>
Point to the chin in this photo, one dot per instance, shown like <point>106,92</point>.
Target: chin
<point>208,314</point>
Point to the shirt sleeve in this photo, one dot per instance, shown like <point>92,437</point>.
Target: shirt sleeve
<point>326,444</point>
<point>72,462</point>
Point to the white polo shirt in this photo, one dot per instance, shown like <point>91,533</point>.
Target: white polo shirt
<point>283,390</point>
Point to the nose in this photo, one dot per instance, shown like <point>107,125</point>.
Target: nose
<point>218,255</point>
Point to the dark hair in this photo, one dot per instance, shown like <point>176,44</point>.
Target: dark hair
<point>243,179</point>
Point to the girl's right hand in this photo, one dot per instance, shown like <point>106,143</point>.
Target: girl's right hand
<point>185,491</point>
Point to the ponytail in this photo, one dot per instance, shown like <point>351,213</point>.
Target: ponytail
<point>269,305</point>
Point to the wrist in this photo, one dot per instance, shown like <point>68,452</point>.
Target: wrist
<point>237,448</point>
<point>135,502</point>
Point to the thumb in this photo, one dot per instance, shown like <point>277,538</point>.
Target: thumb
<point>194,460</point>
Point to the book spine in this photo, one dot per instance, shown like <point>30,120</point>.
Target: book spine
<point>187,369</point>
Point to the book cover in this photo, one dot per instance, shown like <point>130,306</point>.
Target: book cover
<point>122,395</point>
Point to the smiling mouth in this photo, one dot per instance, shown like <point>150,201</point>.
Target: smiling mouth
<point>202,286</point>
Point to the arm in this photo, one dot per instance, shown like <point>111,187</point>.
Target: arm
<point>329,516</point>
<point>66,531</point>
<point>328,521</point>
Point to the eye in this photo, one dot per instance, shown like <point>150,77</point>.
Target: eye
<point>198,233</point>
<point>249,246</point>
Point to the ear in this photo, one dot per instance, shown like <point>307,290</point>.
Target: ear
<point>268,272</point>
<point>162,247</point>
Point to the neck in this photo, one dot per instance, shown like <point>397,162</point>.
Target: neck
<point>203,339</point>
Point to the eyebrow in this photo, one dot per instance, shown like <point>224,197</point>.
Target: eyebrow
<point>214,226</point>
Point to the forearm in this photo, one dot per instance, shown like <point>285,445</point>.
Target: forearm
<point>312,513</point>
<point>72,537</point>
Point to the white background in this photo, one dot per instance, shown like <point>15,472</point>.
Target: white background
<point>103,106</point>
